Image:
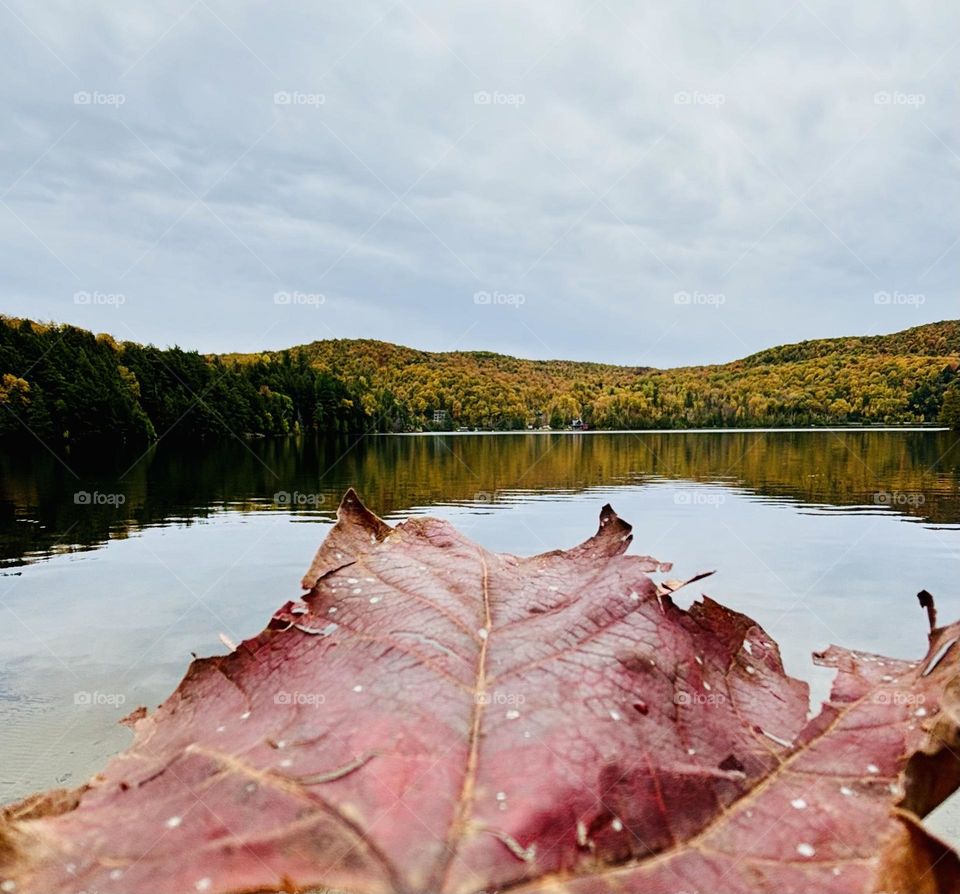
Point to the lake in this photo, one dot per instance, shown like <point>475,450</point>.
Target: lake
<point>116,566</point>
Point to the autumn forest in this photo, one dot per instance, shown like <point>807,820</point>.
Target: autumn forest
<point>63,384</point>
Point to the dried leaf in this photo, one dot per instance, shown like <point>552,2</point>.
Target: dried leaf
<point>432,717</point>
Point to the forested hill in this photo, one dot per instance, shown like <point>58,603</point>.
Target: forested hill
<point>63,384</point>
<point>898,378</point>
<point>931,340</point>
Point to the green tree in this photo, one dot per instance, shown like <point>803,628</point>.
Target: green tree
<point>950,411</point>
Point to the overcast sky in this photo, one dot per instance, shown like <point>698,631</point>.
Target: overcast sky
<point>658,183</point>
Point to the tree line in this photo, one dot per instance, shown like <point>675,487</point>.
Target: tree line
<point>63,384</point>
<point>904,378</point>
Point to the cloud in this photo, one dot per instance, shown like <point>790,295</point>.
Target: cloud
<point>599,159</point>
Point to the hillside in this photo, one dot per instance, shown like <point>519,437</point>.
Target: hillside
<point>897,378</point>
<point>62,384</point>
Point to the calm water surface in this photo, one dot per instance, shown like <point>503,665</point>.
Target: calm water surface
<point>115,568</point>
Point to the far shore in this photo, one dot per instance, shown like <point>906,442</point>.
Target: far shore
<point>662,431</point>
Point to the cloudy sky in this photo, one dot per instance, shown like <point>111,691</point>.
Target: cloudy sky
<point>657,183</point>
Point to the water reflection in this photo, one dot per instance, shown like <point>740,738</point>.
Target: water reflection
<point>48,506</point>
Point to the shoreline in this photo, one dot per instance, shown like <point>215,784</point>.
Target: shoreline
<point>666,431</point>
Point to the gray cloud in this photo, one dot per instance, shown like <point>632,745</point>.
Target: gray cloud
<point>584,164</point>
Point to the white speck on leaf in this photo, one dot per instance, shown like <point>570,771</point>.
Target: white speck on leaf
<point>805,850</point>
